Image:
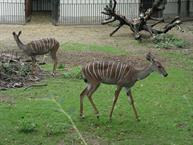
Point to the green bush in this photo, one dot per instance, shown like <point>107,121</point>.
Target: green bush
<point>74,73</point>
<point>27,126</point>
<point>168,41</point>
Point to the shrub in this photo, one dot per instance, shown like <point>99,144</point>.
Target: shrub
<point>168,41</point>
<point>74,73</point>
<point>27,126</point>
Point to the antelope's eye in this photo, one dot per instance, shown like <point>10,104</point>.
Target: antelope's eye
<point>159,66</point>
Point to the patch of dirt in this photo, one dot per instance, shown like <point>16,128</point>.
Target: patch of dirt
<point>81,58</point>
<point>7,99</point>
<point>94,140</point>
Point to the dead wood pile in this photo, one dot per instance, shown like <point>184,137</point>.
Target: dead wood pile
<point>14,72</point>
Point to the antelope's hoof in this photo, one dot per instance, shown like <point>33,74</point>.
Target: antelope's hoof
<point>110,119</point>
<point>82,116</point>
<point>137,37</point>
<point>53,74</point>
<point>97,115</point>
<point>138,119</point>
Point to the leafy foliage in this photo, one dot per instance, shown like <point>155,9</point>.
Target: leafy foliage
<point>169,41</point>
<point>27,126</point>
<point>74,73</point>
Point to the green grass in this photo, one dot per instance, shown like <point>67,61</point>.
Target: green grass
<point>165,106</point>
<point>91,48</point>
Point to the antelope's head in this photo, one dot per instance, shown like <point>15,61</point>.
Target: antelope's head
<point>156,65</point>
<point>16,36</point>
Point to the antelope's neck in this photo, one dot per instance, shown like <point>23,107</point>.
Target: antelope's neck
<point>20,44</point>
<point>143,73</point>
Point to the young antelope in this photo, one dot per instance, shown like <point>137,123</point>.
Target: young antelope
<point>116,73</point>
<point>39,47</point>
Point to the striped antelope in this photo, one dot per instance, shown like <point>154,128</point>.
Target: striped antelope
<point>116,73</point>
<point>39,47</point>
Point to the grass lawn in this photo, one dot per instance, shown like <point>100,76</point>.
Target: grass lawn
<point>42,116</point>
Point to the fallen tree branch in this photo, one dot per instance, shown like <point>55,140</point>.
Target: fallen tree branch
<point>139,24</point>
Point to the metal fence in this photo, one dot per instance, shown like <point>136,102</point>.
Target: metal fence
<point>12,11</point>
<point>71,12</point>
<point>182,8</point>
<point>89,11</point>
<point>41,5</point>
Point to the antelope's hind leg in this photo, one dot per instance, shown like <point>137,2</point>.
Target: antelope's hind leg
<point>93,88</point>
<point>33,65</point>
<point>84,92</point>
<point>88,91</point>
<point>55,60</point>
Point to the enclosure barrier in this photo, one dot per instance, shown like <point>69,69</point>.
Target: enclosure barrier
<point>182,8</point>
<point>41,5</point>
<point>71,12</point>
<point>12,11</point>
<point>89,11</point>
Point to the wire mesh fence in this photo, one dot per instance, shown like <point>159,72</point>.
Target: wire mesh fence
<point>70,12</point>
<point>41,5</point>
<point>89,11</point>
<point>12,11</point>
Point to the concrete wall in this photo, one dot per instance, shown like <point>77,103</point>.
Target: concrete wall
<point>12,11</point>
<point>89,11</point>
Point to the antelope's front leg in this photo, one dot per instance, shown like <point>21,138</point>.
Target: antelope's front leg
<point>130,99</point>
<point>115,100</point>
<point>33,65</point>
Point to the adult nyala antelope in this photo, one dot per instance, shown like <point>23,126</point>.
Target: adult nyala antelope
<point>116,73</point>
<point>39,47</point>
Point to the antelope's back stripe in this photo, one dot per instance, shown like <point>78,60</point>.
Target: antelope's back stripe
<point>106,70</point>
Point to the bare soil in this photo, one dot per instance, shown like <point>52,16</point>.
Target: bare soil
<point>89,34</point>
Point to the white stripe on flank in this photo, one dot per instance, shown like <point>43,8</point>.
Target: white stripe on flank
<point>48,43</point>
<point>88,68</point>
<point>111,69</point>
<point>99,70</point>
<point>120,70</point>
<point>107,74</point>
<point>94,70</point>
<point>36,47</point>
<point>124,70</point>
<point>128,72</point>
<point>39,46</point>
<point>116,70</point>
<point>52,43</point>
<point>43,44</point>
<point>103,71</point>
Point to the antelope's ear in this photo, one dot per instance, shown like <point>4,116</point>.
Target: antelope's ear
<point>150,57</point>
<point>19,33</point>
